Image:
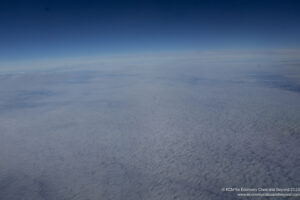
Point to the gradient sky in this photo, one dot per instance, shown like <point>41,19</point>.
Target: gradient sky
<point>49,29</point>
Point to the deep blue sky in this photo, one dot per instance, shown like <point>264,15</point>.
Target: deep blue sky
<point>46,29</point>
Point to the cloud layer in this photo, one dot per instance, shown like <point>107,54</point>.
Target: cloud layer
<point>144,128</point>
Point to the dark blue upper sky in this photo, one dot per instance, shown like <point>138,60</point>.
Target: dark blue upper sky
<point>45,29</point>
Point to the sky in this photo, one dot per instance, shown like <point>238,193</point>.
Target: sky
<point>33,30</point>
